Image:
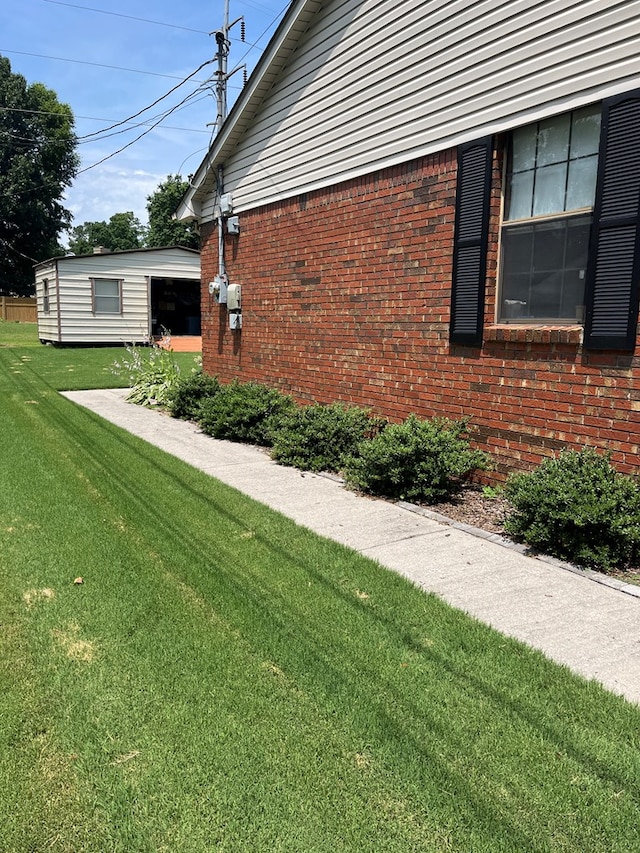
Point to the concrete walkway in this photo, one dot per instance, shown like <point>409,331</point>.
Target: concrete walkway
<point>588,622</point>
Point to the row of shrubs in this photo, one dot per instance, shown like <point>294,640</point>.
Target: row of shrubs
<point>417,460</point>
<point>576,507</point>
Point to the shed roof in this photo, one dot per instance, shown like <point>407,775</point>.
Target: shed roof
<point>118,252</point>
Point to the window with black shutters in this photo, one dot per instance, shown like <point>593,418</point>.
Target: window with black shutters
<point>570,236</point>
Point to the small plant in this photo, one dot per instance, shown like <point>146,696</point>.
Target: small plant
<point>151,372</point>
<point>579,508</point>
<point>187,395</point>
<point>492,493</point>
<point>244,412</point>
<point>320,437</point>
<point>421,460</point>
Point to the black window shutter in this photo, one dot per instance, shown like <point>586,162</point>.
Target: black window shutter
<point>470,242</point>
<point>613,271</point>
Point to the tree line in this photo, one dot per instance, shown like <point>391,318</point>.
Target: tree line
<point>125,231</point>
<point>38,162</point>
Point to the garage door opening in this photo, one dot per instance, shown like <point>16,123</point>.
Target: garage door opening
<point>175,307</point>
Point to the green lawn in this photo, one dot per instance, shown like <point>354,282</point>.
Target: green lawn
<point>223,680</point>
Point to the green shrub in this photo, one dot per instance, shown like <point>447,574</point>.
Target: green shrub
<point>243,412</point>
<point>579,508</point>
<point>188,393</point>
<point>420,460</point>
<point>152,373</point>
<point>319,437</point>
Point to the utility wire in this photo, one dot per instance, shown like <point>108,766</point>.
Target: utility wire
<point>135,115</point>
<point>138,138</point>
<point>151,123</point>
<point>16,251</point>
<point>94,64</point>
<point>130,17</point>
<point>144,109</point>
<point>93,118</point>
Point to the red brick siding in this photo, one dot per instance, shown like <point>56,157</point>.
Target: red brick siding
<point>346,295</point>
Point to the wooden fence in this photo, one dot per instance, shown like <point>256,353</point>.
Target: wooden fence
<point>19,309</point>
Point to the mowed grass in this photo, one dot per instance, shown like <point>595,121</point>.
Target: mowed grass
<point>223,680</point>
<point>67,368</point>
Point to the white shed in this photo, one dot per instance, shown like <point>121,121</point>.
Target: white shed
<point>118,297</point>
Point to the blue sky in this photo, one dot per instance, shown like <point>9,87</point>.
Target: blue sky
<point>93,41</point>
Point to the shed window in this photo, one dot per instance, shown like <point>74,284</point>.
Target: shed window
<point>552,171</point>
<point>45,296</point>
<point>107,295</point>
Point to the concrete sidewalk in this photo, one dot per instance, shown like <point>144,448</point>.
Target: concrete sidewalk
<point>586,621</point>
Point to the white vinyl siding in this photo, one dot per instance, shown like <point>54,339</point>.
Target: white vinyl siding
<point>380,82</point>
<point>46,298</point>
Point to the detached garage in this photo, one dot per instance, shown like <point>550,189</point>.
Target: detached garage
<point>118,297</point>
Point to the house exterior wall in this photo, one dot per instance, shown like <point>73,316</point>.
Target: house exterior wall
<point>374,83</point>
<point>72,319</point>
<point>347,293</point>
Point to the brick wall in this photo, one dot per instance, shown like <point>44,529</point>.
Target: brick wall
<point>346,295</point>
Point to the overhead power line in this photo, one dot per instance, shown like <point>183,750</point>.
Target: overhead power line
<point>139,137</point>
<point>95,118</point>
<point>129,17</point>
<point>150,122</point>
<point>94,64</point>
<point>149,106</point>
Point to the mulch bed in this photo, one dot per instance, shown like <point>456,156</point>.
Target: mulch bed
<point>472,506</point>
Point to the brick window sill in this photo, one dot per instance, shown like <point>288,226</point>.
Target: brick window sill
<point>512,333</point>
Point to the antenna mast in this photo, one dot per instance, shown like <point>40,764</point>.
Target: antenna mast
<point>221,75</point>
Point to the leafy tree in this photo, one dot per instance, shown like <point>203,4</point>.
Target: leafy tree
<point>161,205</point>
<point>122,231</point>
<point>37,163</point>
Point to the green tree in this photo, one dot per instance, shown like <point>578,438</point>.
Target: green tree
<point>38,161</point>
<point>122,231</point>
<point>161,206</point>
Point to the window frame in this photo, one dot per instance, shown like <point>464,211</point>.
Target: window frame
<point>533,220</point>
<point>46,297</point>
<point>95,296</point>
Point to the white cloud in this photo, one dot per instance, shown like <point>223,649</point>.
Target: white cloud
<point>96,195</point>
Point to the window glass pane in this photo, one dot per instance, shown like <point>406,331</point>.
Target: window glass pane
<point>517,245</point>
<point>517,248</point>
<point>107,287</point>
<point>107,305</point>
<point>544,270</point>
<point>572,297</point>
<point>548,247</point>
<point>553,140</point>
<point>523,148</point>
<point>578,230</point>
<point>520,196</point>
<point>545,294</point>
<point>515,298</point>
<point>549,190</point>
<point>585,133</point>
<point>581,187</point>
